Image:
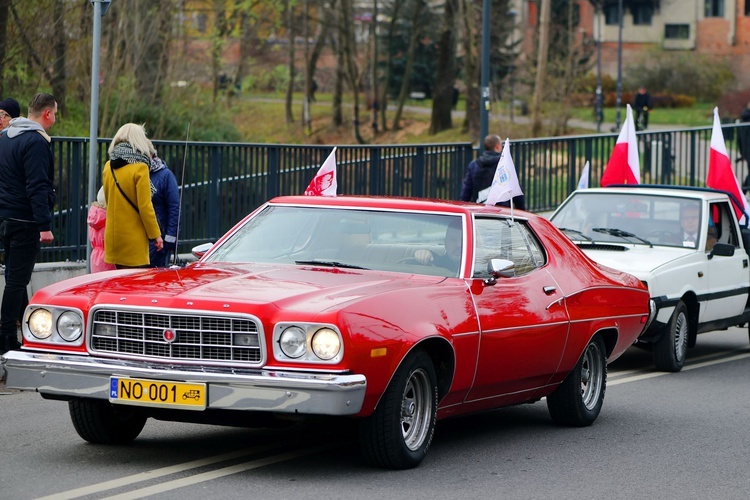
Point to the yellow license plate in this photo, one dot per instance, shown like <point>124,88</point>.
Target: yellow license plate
<point>140,392</point>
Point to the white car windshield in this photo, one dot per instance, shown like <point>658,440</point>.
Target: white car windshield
<point>631,218</point>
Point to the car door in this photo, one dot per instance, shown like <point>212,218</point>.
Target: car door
<point>522,319</point>
<point>728,276</point>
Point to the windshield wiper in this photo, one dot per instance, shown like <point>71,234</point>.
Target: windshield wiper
<point>327,263</point>
<point>569,230</point>
<point>621,234</point>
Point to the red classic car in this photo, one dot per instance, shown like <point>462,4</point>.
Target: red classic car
<point>396,312</point>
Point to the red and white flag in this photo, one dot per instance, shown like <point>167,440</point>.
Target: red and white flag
<point>623,166</point>
<point>505,183</point>
<point>324,183</point>
<point>720,173</point>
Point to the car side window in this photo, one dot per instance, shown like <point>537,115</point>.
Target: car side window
<point>721,225</point>
<point>506,239</point>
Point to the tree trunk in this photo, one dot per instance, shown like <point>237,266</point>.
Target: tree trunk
<point>217,45</point>
<point>346,39</point>
<point>471,37</point>
<point>541,67</point>
<point>4,5</point>
<point>290,54</point>
<point>445,77</point>
<point>389,63</point>
<point>404,92</point>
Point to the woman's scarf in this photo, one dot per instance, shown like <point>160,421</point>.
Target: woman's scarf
<point>125,151</point>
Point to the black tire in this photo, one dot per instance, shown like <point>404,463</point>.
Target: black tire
<point>670,350</point>
<point>399,432</point>
<point>578,400</point>
<point>101,422</point>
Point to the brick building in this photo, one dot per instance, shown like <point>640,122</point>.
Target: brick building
<point>720,28</point>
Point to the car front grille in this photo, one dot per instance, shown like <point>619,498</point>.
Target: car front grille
<point>194,337</point>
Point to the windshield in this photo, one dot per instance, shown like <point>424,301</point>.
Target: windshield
<point>348,238</point>
<point>630,218</point>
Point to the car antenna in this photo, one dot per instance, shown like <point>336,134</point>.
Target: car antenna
<point>182,184</point>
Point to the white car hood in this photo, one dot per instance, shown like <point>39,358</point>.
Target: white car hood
<point>638,260</point>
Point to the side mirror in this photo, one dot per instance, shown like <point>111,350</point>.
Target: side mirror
<point>200,250</point>
<point>722,250</point>
<point>500,268</point>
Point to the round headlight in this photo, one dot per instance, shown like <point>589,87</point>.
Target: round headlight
<point>40,324</point>
<point>293,342</point>
<point>70,326</point>
<point>326,344</point>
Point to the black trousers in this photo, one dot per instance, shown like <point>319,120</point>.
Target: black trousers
<point>21,244</point>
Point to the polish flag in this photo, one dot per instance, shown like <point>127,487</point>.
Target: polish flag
<point>324,183</point>
<point>720,173</point>
<point>505,183</point>
<point>623,166</point>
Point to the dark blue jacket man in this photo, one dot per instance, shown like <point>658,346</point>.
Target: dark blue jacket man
<point>165,195</point>
<point>27,196</point>
<point>480,172</point>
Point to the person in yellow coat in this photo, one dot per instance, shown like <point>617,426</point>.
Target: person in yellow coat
<point>131,220</point>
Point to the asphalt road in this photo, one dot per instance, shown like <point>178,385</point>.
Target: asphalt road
<point>666,436</point>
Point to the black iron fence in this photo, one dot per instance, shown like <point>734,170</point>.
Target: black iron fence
<point>221,182</point>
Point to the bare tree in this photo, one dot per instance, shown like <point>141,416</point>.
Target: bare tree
<point>442,97</point>
<point>290,54</point>
<point>541,68</point>
<point>4,6</point>
<point>395,10</point>
<point>349,51</point>
<point>415,33</point>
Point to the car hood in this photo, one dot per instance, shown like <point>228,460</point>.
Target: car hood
<point>638,260</point>
<point>316,288</point>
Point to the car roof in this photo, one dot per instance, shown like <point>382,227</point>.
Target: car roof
<point>397,203</point>
<point>692,192</point>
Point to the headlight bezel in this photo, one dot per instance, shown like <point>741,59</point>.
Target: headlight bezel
<point>37,318</point>
<point>331,334</point>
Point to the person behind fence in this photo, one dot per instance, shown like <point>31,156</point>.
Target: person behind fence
<point>480,172</point>
<point>27,196</point>
<point>131,220</point>
<point>9,109</point>
<point>97,219</point>
<point>642,106</point>
<point>166,200</point>
<point>743,136</point>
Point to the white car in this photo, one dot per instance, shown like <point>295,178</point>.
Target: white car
<point>697,287</point>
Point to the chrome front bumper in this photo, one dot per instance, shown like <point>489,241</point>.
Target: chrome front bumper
<point>70,376</point>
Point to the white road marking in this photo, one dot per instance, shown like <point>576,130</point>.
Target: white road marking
<point>622,377</point>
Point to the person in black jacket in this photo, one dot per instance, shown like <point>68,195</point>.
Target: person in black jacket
<point>641,105</point>
<point>27,197</point>
<point>480,172</point>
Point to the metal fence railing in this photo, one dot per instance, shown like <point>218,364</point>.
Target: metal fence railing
<point>221,182</point>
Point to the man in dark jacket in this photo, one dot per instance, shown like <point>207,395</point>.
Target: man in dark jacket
<point>480,172</point>
<point>641,105</point>
<point>27,197</point>
<point>165,195</point>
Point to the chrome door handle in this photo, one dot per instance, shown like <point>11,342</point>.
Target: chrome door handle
<point>549,290</point>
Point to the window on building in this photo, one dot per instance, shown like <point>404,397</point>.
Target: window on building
<point>714,8</point>
<point>677,31</point>
<point>642,14</point>
<point>747,7</point>
<point>610,15</point>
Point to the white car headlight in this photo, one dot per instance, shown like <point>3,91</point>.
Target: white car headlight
<point>40,324</point>
<point>70,326</point>
<point>293,342</point>
<point>326,344</point>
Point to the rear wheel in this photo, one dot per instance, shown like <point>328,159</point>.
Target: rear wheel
<point>670,350</point>
<point>101,422</point>
<point>399,432</point>
<point>579,399</point>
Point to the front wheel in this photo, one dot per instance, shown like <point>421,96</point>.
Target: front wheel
<point>670,350</point>
<point>399,432</point>
<point>578,400</point>
<point>101,422</point>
